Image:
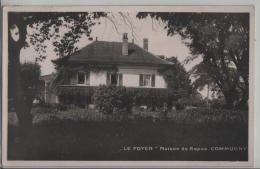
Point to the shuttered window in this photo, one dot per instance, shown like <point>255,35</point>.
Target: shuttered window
<point>141,77</point>
<point>120,79</point>
<point>108,78</point>
<point>87,78</point>
<point>147,80</point>
<point>153,80</point>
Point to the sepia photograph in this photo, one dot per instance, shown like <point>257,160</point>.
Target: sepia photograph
<point>127,84</point>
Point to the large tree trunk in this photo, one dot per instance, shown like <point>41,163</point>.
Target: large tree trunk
<point>21,108</point>
<point>16,92</point>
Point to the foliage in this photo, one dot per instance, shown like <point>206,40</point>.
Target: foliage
<point>138,96</point>
<point>44,27</point>
<point>217,103</point>
<point>197,100</point>
<point>65,73</point>
<point>181,103</point>
<point>112,99</point>
<point>202,78</point>
<point>30,75</point>
<point>222,40</point>
<point>211,117</point>
<point>49,25</point>
<point>194,116</point>
<point>76,95</point>
<point>178,81</point>
<point>150,97</point>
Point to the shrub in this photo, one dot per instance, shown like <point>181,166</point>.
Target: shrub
<point>112,99</point>
<point>217,103</point>
<point>150,97</point>
<point>181,103</point>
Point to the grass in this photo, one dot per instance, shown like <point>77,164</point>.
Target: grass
<point>80,134</point>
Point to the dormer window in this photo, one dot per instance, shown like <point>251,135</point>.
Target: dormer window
<point>83,78</point>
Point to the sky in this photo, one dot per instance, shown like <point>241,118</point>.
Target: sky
<point>111,29</point>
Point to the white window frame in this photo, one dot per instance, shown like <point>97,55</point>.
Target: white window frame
<point>117,78</point>
<point>147,80</point>
<point>150,83</point>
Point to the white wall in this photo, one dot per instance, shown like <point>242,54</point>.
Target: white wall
<point>98,78</point>
<point>131,76</point>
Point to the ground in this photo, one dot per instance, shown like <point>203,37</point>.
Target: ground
<point>139,138</point>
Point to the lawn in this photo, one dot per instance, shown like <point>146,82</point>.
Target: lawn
<point>81,134</point>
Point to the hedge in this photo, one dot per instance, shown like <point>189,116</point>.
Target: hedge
<point>84,95</point>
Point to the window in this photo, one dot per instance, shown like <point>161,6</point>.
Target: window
<point>83,78</point>
<point>115,79</point>
<point>147,80</point>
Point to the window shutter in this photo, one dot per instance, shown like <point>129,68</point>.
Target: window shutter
<point>141,80</point>
<point>87,78</point>
<point>153,80</point>
<point>108,78</point>
<point>120,79</point>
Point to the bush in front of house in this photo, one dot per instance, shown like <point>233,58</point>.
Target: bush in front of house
<point>151,98</point>
<point>181,103</point>
<point>112,99</point>
<point>217,103</point>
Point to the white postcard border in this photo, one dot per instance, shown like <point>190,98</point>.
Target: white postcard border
<point>126,164</point>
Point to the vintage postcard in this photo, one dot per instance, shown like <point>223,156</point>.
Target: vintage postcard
<point>128,86</point>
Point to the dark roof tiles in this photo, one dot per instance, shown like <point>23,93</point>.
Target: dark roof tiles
<point>111,53</point>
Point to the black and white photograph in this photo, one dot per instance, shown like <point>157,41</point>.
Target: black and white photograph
<point>127,84</point>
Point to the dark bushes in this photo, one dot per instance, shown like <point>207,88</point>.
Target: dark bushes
<point>112,99</point>
<point>152,98</point>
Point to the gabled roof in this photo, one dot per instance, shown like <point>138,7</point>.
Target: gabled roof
<point>103,52</point>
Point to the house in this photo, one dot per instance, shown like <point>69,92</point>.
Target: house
<point>109,63</point>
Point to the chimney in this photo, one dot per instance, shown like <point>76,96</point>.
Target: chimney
<point>125,45</point>
<point>145,44</point>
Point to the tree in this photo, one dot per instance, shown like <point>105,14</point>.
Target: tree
<point>222,40</point>
<point>178,81</point>
<point>46,26</point>
<point>202,79</point>
<point>30,82</point>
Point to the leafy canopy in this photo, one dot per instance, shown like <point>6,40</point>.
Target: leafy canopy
<point>222,40</point>
<point>64,29</point>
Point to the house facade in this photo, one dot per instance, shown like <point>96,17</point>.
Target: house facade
<point>109,63</point>
<point>128,76</point>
